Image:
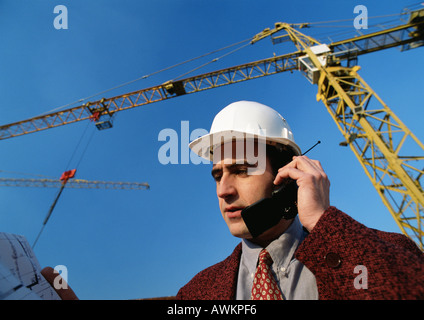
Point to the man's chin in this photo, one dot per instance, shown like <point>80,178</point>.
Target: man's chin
<point>240,231</point>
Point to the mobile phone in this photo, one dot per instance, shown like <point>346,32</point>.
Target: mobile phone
<point>266,213</point>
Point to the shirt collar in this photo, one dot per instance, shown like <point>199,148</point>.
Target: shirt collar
<point>281,249</point>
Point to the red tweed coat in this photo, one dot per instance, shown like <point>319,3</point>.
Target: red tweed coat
<point>337,244</point>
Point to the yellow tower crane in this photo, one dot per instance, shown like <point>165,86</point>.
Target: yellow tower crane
<point>391,155</point>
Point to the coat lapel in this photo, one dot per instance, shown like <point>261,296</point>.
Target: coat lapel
<point>226,278</point>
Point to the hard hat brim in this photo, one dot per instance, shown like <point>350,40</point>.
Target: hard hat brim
<point>204,145</point>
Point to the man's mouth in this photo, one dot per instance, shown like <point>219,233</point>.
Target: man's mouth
<point>233,212</point>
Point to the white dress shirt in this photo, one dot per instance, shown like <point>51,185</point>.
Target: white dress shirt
<point>296,282</point>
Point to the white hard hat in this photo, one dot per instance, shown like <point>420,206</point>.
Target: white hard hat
<point>245,118</point>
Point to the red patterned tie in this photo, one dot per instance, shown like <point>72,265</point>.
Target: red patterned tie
<point>264,285</point>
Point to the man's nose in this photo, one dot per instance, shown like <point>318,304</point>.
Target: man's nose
<point>226,187</point>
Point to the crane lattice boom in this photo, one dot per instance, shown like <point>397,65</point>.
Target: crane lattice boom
<point>74,183</point>
<point>406,35</point>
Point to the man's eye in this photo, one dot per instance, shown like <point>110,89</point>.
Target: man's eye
<point>241,171</point>
<point>217,177</point>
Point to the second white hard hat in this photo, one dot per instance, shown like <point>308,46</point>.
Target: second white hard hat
<point>243,119</point>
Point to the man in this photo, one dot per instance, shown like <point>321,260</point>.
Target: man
<point>320,254</point>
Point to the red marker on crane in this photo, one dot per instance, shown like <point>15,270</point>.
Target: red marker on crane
<point>64,178</point>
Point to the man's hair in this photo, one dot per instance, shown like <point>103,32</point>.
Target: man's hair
<point>279,156</point>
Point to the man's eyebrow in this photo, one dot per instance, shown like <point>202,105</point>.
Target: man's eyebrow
<point>234,166</point>
<point>244,165</point>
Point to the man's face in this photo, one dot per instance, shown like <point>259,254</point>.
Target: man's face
<point>236,189</point>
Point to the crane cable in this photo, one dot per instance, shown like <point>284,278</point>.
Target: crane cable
<point>213,60</point>
<point>330,36</point>
<point>312,23</point>
<point>28,174</point>
<point>46,219</point>
<point>77,146</point>
<point>144,77</point>
<point>352,19</point>
<point>315,24</point>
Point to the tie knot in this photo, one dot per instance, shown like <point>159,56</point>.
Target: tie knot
<point>265,257</point>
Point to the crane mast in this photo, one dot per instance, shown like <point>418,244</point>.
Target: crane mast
<point>390,154</point>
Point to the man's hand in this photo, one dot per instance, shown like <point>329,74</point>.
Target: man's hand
<point>313,196</point>
<point>50,275</point>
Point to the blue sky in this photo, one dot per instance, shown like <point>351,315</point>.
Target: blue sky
<point>139,244</point>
